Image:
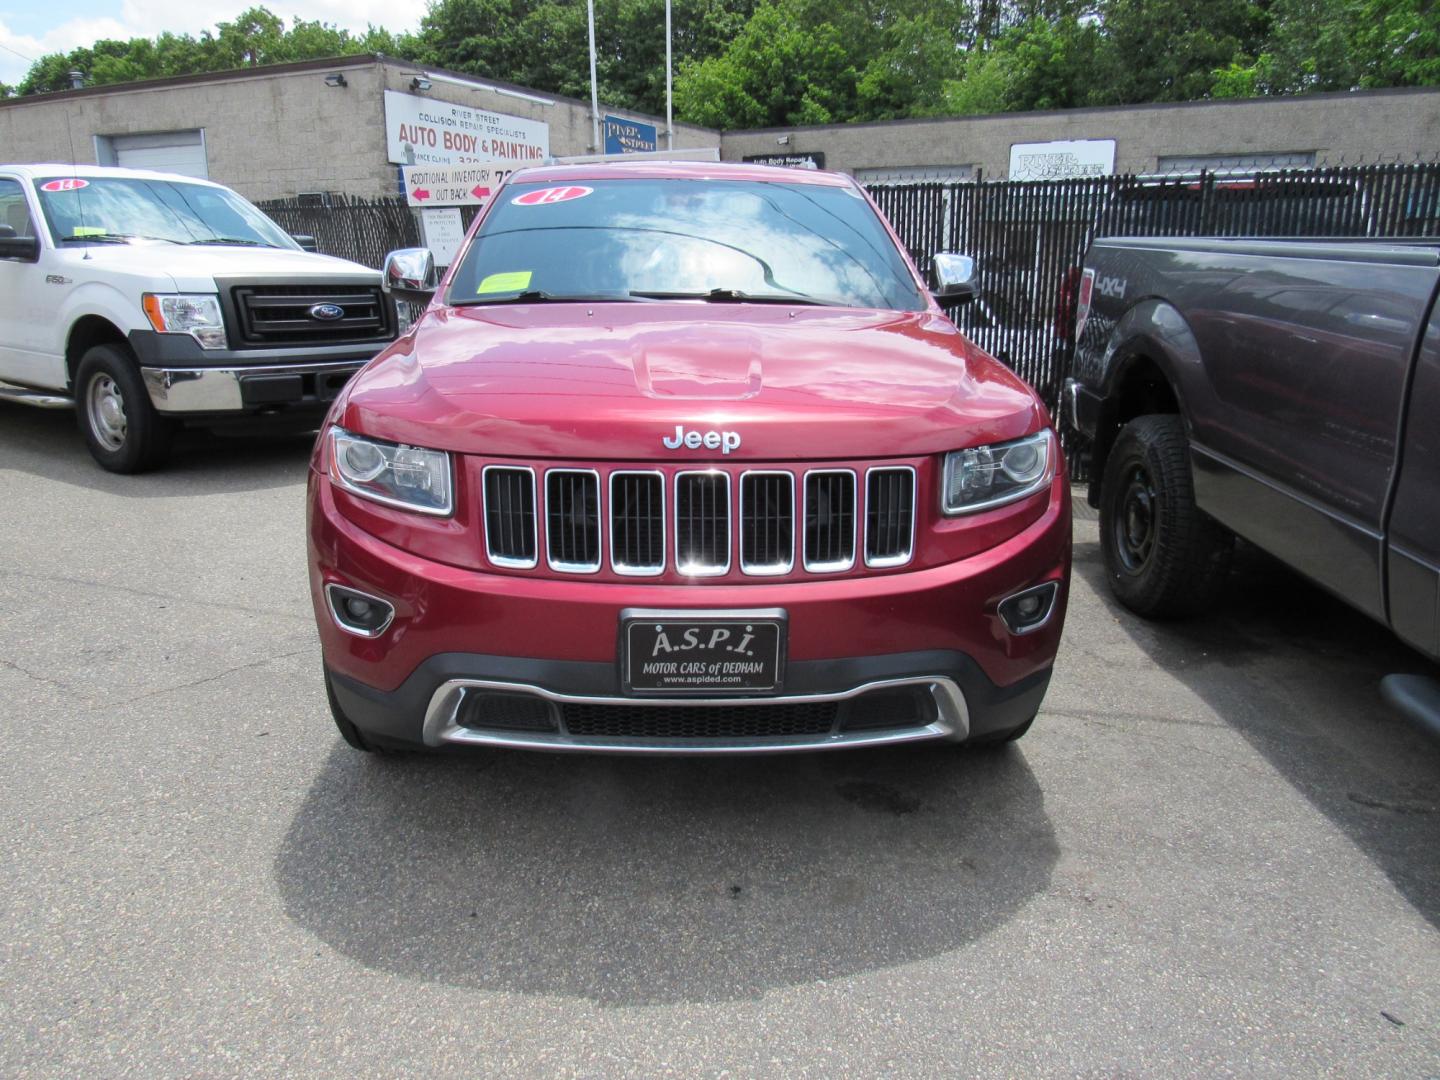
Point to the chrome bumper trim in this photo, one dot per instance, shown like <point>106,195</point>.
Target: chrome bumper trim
<point>953,721</point>
<point>193,390</point>
<point>39,399</point>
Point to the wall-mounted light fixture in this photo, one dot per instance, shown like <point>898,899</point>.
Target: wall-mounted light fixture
<point>782,140</point>
<point>419,85</point>
<point>335,78</point>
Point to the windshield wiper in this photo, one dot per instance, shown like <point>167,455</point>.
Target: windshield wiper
<point>113,238</point>
<point>235,240</point>
<point>539,296</point>
<point>98,238</point>
<point>734,296</point>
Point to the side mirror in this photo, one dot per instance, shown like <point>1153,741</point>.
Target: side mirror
<point>954,278</point>
<point>24,248</point>
<point>409,274</point>
<point>306,242</point>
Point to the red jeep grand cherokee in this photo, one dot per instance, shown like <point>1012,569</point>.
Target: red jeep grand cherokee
<point>685,459</point>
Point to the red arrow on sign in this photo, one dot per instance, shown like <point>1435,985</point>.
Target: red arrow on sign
<point>421,194</point>
<point>480,192</point>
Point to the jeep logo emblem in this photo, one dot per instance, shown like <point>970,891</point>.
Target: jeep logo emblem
<point>327,312</point>
<point>724,441</point>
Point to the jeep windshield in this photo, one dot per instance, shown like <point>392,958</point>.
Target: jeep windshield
<point>710,241</point>
<point>110,210</point>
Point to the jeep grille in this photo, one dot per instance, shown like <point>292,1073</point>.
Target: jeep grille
<point>776,517</point>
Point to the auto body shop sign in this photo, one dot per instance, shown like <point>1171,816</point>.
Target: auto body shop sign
<point>423,131</point>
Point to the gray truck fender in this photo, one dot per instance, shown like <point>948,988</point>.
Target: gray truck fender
<point>1151,363</point>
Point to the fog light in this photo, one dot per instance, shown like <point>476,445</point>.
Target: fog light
<point>1028,611</point>
<point>358,613</point>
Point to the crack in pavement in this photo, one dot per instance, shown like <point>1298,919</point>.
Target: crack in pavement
<point>87,583</point>
<point>212,678</point>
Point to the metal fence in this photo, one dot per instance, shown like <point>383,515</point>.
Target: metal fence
<point>1029,238</point>
<point>352,228</point>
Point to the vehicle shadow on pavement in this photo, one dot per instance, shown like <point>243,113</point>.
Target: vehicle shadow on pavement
<point>47,443</point>
<point>662,880</point>
<point>1296,673</point>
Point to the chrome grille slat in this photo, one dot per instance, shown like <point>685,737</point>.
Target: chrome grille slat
<point>702,523</point>
<point>511,526</point>
<point>572,520</point>
<point>767,522</point>
<point>889,515</point>
<point>637,523</point>
<point>830,520</point>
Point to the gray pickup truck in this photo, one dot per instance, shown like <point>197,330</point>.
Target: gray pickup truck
<point>1286,391</point>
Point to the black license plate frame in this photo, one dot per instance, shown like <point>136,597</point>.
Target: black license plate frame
<point>718,638</point>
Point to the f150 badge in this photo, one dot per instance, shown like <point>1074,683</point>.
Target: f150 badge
<point>724,441</point>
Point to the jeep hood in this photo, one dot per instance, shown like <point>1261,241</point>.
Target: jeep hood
<point>609,381</point>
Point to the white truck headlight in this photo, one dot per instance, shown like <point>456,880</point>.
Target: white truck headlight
<point>405,476</point>
<point>988,476</point>
<point>181,313</point>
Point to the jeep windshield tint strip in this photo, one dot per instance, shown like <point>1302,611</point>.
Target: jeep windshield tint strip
<point>735,241</point>
<point>115,209</point>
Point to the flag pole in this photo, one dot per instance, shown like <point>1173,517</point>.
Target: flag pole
<point>669,99</point>
<point>594,86</point>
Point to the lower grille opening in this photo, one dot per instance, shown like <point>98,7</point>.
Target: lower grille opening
<point>900,707</point>
<point>502,711</point>
<point>700,721</point>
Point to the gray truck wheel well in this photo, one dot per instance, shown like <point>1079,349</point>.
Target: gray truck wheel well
<point>88,331</point>
<point>1141,389</point>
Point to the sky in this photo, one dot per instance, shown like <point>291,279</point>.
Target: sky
<point>29,28</point>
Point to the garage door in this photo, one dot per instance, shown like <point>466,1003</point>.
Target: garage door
<point>168,151</point>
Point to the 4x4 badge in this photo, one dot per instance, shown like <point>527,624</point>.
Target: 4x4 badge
<point>724,441</point>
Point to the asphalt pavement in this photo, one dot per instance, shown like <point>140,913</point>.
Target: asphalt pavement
<point>1215,853</point>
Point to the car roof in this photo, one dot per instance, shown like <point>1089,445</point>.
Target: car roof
<point>32,171</point>
<point>678,170</point>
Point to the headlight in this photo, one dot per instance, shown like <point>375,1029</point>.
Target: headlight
<point>198,316</point>
<point>987,476</point>
<point>403,476</point>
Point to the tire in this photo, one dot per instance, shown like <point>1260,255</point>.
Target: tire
<point>1164,557</point>
<point>124,432</point>
<point>348,731</point>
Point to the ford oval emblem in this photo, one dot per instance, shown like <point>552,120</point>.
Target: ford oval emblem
<point>327,312</point>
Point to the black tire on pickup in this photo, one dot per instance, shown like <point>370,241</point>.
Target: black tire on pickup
<point>124,432</point>
<point>1164,557</point>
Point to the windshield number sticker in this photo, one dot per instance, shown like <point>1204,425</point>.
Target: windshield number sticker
<point>546,196</point>
<point>70,183</point>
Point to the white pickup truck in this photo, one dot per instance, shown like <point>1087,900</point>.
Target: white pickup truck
<point>146,300</point>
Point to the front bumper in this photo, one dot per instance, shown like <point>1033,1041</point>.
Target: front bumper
<point>932,633</point>
<point>253,388</point>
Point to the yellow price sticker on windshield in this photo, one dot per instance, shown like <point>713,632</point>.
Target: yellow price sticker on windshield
<point>88,230</point>
<point>514,281</point>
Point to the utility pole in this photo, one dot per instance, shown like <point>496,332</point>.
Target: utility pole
<point>669,105</point>
<point>594,87</point>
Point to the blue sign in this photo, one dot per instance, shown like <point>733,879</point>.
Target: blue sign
<point>627,136</point>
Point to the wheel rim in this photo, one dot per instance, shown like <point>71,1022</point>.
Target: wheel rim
<point>1134,525</point>
<point>105,407</point>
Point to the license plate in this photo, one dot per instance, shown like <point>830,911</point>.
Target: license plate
<point>724,654</point>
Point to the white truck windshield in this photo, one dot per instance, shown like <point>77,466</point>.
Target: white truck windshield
<point>81,210</point>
